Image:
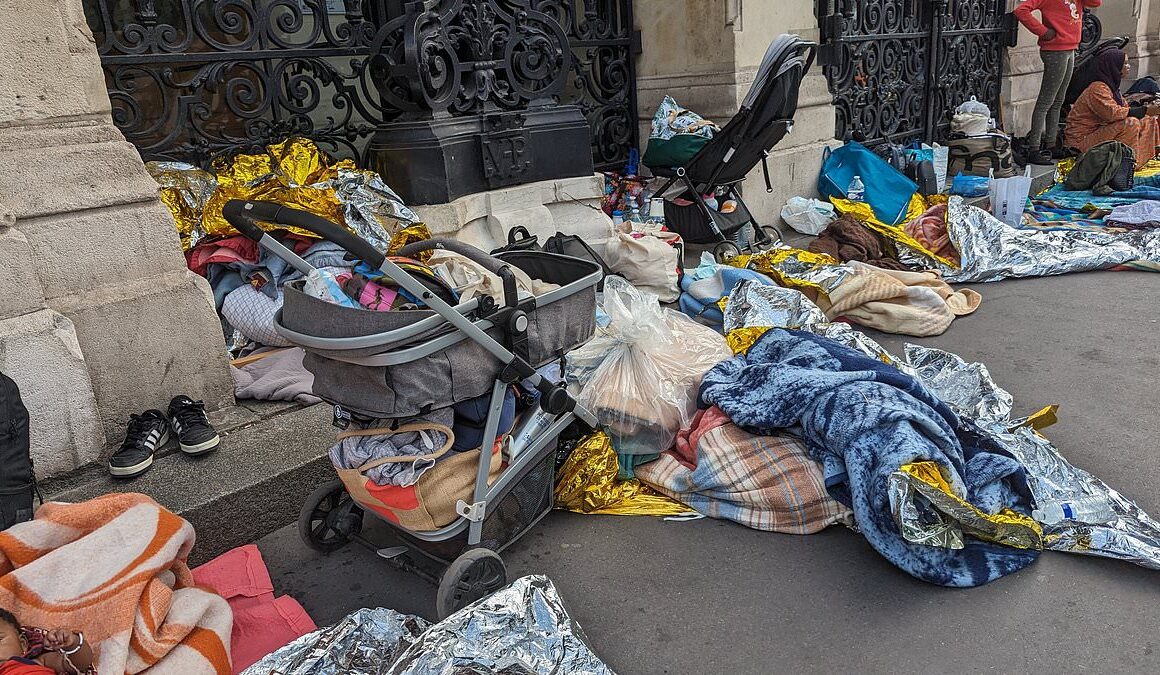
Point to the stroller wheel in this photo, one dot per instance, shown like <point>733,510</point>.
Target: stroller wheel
<point>329,518</point>
<point>476,574</point>
<point>726,251</point>
<point>772,235</point>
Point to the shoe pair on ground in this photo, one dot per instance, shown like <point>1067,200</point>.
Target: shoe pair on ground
<point>150,431</point>
<point>1047,156</point>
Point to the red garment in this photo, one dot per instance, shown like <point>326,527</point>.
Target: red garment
<point>230,249</point>
<point>262,623</point>
<point>1064,16</point>
<point>685,446</point>
<point>14,666</point>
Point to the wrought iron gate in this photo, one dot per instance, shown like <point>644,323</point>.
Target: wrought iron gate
<point>193,79</point>
<point>897,68</point>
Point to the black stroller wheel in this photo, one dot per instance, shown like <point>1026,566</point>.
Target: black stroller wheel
<point>329,518</point>
<point>726,251</point>
<point>772,236</point>
<point>476,574</point>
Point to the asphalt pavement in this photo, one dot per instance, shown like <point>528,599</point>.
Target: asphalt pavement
<point>714,597</point>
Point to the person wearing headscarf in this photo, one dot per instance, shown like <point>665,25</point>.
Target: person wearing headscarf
<point>1060,30</point>
<point>1101,113</point>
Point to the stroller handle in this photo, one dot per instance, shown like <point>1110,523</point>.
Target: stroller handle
<point>493,265</point>
<point>242,214</point>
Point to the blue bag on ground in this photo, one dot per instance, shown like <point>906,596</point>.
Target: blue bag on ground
<point>888,191</point>
<point>971,186</point>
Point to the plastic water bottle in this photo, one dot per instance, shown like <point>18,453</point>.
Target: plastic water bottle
<point>533,424</point>
<point>857,190</point>
<point>656,212</point>
<point>618,218</point>
<point>635,218</point>
<point>1085,510</point>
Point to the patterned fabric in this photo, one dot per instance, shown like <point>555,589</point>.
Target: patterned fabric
<point>864,420</point>
<point>1096,117</point>
<point>115,568</point>
<point>763,482</point>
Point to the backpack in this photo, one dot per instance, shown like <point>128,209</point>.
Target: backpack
<point>979,155</point>
<point>519,239</point>
<point>17,482</point>
<point>574,246</point>
<point>888,191</point>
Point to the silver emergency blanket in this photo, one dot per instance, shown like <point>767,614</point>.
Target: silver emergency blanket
<point>371,208</point>
<point>970,391</point>
<point>365,641</point>
<point>754,304</point>
<point>520,629</point>
<point>992,250</point>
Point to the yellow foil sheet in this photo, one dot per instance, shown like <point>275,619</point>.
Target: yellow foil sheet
<point>587,483</point>
<point>790,267</point>
<point>862,212</point>
<point>1006,527</point>
<point>185,191</point>
<point>1041,419</point>
<point>741,339</point>
<point>409,235</point>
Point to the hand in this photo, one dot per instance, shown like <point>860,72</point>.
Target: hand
<point>61,639</point>
<point>1050,35</point>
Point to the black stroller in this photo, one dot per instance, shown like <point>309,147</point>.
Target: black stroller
<point>765,117</point>
<point>396,365</point>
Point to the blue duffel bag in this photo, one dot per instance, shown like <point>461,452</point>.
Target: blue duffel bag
<point>888,191</point>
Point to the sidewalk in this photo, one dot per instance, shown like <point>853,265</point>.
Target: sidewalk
<point>714,597</point>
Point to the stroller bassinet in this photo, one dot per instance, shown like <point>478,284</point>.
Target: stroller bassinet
<point>401,364</point>
<point>765,117</point>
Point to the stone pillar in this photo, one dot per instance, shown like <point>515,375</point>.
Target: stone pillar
<point>705,53</point>
<point>99,317</point>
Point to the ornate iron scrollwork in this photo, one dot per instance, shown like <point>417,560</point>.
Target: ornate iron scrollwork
<point>193,79</point>
<point>896,68</point>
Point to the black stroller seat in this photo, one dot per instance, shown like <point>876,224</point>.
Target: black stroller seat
<point>765,117</point>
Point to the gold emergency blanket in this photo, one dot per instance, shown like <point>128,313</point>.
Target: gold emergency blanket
<point>952,516</point>
<point>862,212</point>
<point>587,483</point>
<point>294,173</point>
<point>796,268</point>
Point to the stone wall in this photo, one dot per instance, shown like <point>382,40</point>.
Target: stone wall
<point>99,317</point>
<point>705,54</point>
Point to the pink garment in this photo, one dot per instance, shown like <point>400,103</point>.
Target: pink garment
<point>930,230</point>
<point>685,447</point>
<point>262,623</point>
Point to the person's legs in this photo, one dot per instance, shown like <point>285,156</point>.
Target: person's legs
<point>1055,68</point>
<point>1051,128</point>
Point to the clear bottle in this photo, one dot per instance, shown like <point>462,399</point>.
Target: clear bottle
<point>857,190</point>
<point>656,212</point>
<point>1092,510</point>
<point>635,218</point>
<point>617,218</point>
<point>534,423</point>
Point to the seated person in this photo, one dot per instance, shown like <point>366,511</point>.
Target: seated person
<point>1101,113</point>
<point>30,652</point>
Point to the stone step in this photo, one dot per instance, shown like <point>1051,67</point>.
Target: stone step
<point>253,484</point>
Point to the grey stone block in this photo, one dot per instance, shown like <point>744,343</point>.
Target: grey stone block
<point>87,249</point>
<point>40,352</point>
<point>20,290</point>
<point>252,485</point>
<point>148,341</point>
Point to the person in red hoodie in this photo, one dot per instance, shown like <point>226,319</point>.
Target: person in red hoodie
<point>1060,30</point>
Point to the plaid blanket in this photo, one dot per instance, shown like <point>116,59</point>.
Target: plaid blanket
<point>763,482</point>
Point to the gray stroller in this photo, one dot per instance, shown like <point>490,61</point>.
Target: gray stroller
<point>401,364</point>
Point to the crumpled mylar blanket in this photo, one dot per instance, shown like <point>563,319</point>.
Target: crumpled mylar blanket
<point>588,483</point>
<point>796,268</point>
<point>294,173</point>
<point>903,242</point>
<point>523,628</point>
<point>970,391</point>
<point>992,250</point>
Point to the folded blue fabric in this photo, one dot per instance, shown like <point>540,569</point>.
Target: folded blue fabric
<point>863,419</point>
<point>701,292</point>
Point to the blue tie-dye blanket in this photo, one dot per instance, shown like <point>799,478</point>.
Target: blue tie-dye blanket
<point>863,420</point>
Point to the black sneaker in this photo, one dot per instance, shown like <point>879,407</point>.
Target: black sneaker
<point>147,432</point>
<point>194,432</point>
<point>1040,158</point>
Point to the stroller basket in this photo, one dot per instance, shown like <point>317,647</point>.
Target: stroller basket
<point>405,363</point>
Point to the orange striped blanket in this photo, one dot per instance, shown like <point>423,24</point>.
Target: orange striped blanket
<point>115,568</point>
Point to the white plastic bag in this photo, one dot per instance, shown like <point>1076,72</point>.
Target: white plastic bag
<point>648,261</point>
<point>1009,197</point>
<point>808,216</point>
<point>641,372</point>
<point>974,107</point>
<point>942,157</point>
